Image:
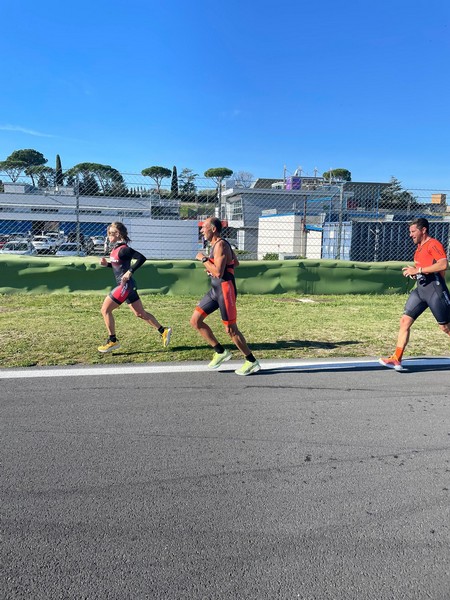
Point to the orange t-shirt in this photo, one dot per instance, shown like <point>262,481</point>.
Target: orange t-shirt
<point>428,253</point>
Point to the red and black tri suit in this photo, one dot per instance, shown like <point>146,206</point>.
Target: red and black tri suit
<point>222,294</point>
<point>120,261</point>
<point>431,290</point>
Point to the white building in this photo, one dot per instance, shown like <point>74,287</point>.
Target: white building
<point>153,223</point>
<point>288,237</point>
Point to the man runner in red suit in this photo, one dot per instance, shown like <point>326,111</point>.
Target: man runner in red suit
<point>430,264</point>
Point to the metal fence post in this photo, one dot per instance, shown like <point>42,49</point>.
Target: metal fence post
<point>77,211</point>
<point>341,208</point>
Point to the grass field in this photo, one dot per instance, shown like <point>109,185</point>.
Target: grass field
<point>65,329</point>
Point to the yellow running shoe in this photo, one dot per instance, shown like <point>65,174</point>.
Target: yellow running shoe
<point>109,347</point>
<point>166,335</point>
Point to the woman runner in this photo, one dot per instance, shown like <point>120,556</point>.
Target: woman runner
<point>126,290</point>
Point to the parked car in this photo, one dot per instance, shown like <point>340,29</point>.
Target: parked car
<point>19,236</point>
<point>24,248</point>
<point>55,238</point>
<point>97,245</point>
<point>43,244</point>
<point>70,249</point>
<point>3,240</point>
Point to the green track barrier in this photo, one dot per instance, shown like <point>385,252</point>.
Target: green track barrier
<point>46,275</point>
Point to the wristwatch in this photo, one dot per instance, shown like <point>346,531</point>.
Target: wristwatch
<point>205,259</point>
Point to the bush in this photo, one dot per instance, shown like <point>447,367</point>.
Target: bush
<point>271,256</point>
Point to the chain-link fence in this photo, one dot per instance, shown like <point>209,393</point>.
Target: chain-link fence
<point>296,217</point>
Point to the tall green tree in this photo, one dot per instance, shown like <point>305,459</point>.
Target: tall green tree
<point>337,175</point>
<point>45,175</point>
<point>174,184</point>
<point>59,178</point>
<point>157,174</point>
<point>13,168</point>
<point>32,158</point>
<point>21,161</point>
<point>107,179</point>
<point>218,174</point>
<point>88,186</point>
<point>187,182</point>
<point>395,197</point>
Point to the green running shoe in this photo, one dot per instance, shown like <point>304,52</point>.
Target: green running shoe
<point>248,368</point>
<point>218,359</point>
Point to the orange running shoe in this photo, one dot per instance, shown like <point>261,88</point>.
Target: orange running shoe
<point>392,362</point>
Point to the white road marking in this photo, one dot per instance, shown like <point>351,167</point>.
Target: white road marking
<point>278,366</point>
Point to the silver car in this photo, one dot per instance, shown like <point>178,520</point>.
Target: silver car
<point>70,249</point>
<point>23,248</point>
<point>42,244</point>
<point>98,244</point>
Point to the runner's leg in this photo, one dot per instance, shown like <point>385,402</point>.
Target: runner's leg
<point>238,339</point>
<point>107,309</point>
<point>406,323</point>
<point>198,323</point>
<point>140,312</point>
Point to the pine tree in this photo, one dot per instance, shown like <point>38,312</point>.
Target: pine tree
<point>395,197</point>
<point>174,184</point>
<point>59,179</point>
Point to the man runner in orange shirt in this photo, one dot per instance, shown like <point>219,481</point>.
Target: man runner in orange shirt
<point>430,264</point>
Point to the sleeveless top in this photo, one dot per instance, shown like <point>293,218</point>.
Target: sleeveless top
<point>228,274</point>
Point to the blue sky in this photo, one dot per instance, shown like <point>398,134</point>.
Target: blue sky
<point>248,85</point>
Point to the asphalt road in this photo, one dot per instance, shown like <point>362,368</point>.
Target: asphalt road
<point>326,481</point>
